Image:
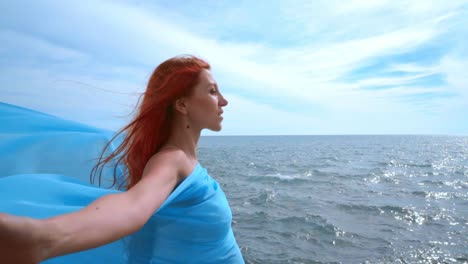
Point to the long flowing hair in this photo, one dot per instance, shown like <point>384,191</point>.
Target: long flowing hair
<point>151,127</point>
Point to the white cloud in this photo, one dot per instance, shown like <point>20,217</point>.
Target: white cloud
<point>31,46</point>
<point>455,71</point>
<point>103,103</point>
<point>246,116</point>
<point>348,36</point>
<point>391,81</point>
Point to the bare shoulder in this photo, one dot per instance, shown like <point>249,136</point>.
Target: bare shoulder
<point>169,161</point>
<point>164,170</point>
<point>162,173</point>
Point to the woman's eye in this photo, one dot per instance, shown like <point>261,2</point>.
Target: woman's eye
<point>213,91</point>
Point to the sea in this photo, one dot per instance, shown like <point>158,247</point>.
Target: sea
<point>344,199</point>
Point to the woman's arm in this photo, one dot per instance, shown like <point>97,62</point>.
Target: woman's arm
<point>114,216</point>
<point>107,219</point>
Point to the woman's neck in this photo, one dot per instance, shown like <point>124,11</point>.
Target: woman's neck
<point>184,138</point>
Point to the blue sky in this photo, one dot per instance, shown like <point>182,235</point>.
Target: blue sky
<point>286,67</point>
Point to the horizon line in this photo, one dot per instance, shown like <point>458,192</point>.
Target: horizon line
<point>301,135</point>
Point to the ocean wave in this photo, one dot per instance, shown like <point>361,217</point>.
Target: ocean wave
<point>359,208</point>
<point>264,198</point>
<point>292,178</point>
<point>382,177</point>
<point>456,184</point>
<point>328,158</point>
<point>405,214</point>
<point>428,254</point>
<point>311,222</point>
<point>398,163</point>
<point>435,195</point>
<point>432,182</point>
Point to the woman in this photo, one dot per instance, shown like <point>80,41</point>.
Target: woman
<point>181,212</point>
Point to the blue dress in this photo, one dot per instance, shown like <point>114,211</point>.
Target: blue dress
<point>44,167</point>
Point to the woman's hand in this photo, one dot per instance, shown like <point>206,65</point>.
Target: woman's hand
<point>22,240</point>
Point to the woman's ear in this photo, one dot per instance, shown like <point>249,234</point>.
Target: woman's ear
<point>180,106</point>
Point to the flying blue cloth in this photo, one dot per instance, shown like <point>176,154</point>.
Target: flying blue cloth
<point>34,142</point>
<point>44,170</point>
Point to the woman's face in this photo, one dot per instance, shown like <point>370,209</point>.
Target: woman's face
<point>205,103</point>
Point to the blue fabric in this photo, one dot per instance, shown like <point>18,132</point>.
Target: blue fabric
<point>192,226</point>
<point>44,170</point>
<point>33,142</point>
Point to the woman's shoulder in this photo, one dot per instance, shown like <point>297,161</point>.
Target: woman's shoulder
<point>173,159</point>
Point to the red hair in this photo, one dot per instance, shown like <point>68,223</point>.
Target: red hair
<point>151,127</point>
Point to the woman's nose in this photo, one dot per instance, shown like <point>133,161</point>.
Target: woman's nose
<point>223,101</point>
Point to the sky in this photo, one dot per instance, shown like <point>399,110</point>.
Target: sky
<point>286,67</point>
